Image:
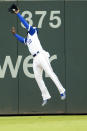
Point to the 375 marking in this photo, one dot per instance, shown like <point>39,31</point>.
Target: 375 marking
<point>54,16</point>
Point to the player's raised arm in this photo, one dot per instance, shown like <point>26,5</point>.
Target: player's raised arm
<point>21,18</point>
<point>19,38</point>
<point>30,29</point>
<point>14,9</point>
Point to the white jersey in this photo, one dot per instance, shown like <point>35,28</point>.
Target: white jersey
<point>33,43</point>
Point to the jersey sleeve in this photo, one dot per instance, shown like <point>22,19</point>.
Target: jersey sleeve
<point>31,30</point>
<point>25,23</point>
<point>20,38</point>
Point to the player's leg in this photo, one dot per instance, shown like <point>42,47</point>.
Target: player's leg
<point>38,77</point>
<point>48,69</point>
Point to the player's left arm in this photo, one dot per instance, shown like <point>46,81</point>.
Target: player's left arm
<point>19,38</point>
<point>30,29</point>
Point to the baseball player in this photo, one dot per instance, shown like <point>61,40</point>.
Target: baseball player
<point>40,58</point>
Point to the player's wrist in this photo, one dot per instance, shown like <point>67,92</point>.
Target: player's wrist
<point>14,34</point>
<point>13,30</point>
<point>17,11</point>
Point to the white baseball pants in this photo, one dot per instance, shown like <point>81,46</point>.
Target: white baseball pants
<point>41,62</point>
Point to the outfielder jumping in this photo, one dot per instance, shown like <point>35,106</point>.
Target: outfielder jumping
<point>40,58</point>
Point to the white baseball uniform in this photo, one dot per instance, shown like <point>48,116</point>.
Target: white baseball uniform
<point>40,59</point>
<point>41,62</point>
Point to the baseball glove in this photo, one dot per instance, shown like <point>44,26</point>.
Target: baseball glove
<point>12,8</point>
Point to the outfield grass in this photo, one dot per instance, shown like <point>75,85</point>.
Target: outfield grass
<point>44,123</point>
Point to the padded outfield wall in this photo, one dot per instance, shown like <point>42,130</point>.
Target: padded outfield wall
<point>62,29</point>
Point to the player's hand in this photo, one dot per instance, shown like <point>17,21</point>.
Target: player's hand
<point>16,11</point>
<point>13,30</point>
<point>13,9</point>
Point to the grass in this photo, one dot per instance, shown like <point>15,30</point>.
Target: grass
<point>44,123</point>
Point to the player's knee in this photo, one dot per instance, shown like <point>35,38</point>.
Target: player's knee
<point>38,77</point>
<point>51,74</point>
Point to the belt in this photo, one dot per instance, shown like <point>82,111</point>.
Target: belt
<point>36,54</point>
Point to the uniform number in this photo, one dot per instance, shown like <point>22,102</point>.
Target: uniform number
<point>54,18</point>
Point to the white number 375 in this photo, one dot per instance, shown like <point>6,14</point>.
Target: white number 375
<point>53,18</point>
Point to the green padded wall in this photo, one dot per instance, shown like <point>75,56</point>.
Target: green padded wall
<point>63,35</point>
